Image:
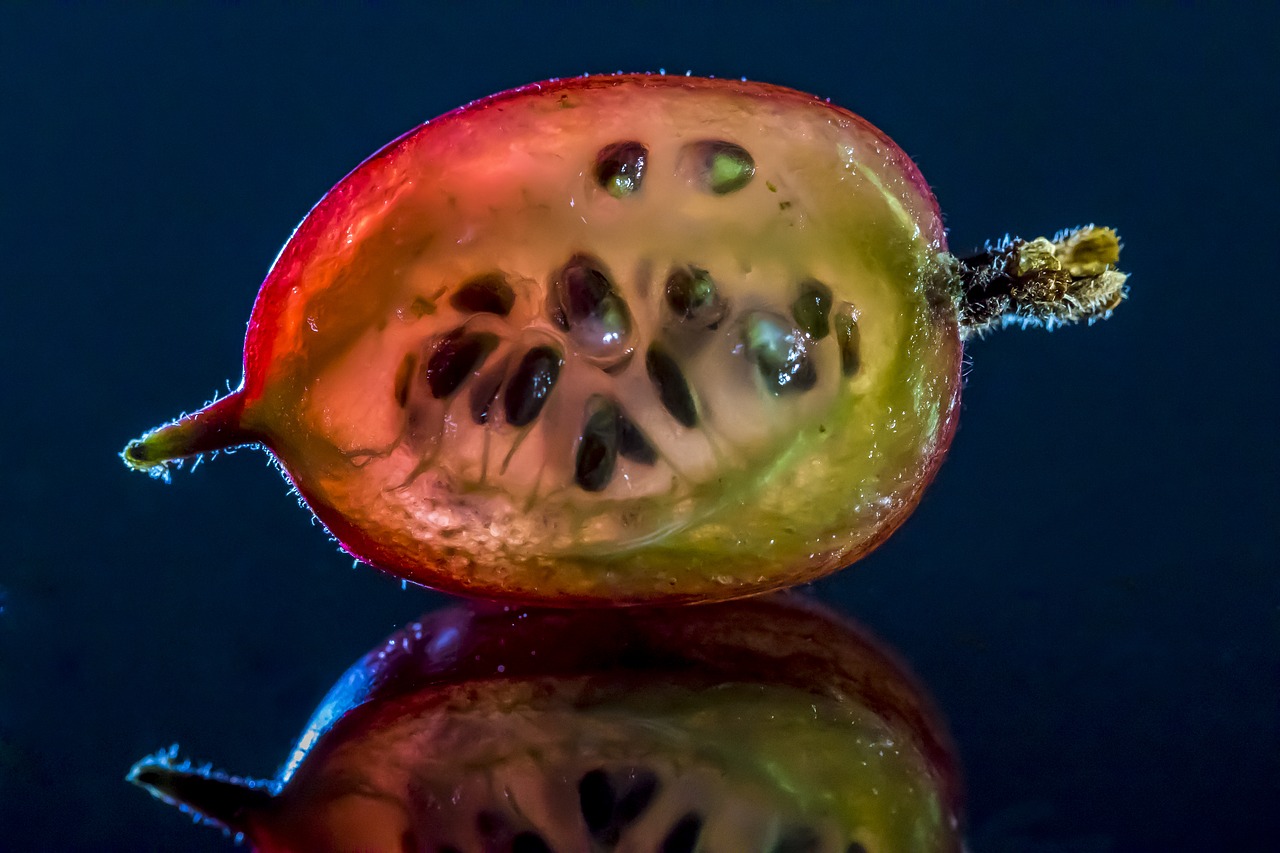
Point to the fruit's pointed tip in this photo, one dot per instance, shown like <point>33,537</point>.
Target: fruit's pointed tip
<point>226,801</point>
<point>215,427</point>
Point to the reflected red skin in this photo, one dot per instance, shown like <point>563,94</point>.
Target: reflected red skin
<point>778,641</point>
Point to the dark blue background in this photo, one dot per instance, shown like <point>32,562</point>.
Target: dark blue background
<point>1090,589</point>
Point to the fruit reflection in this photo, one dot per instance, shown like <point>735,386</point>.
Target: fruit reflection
<point>765,725</point>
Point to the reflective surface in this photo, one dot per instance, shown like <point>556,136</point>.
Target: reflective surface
<point>767,725</point>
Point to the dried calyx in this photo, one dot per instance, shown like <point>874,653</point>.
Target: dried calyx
<point>1041,282</point>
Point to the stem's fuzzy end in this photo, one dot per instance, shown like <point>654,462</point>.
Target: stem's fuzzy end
<point>215,427</point>
<point>1042,282</point>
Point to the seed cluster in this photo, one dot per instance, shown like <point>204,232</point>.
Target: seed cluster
<point>590,319</point>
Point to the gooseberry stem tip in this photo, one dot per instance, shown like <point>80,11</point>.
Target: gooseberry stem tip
<point>215,427</point>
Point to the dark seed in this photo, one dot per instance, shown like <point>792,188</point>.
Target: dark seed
<point>597,454</point>
<point>636,796</point>
<point>779,352</point>
<point>610,805</point>
<point>692,295</point>
<point>403,374</point>
<point>683,837</point>
<point>848,338</point>
<point>485,294</point>
<point>456,356</point>
<point>797,839</point>
<point>719,167</point>
<point>633,444</point>
<point>673,389</point>
<point>620,167</point>
<point>484,391</point>
<point>596,798</point>
<point>531,384</point>
<point>855,847</point>
<point>811,307</point>
<point>529,842</point>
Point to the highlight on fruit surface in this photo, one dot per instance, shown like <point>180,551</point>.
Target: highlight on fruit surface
<point>766,725</point>
<point>617,338</point>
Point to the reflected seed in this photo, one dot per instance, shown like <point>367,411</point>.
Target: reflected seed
<point>529,842</point>
<point>683,837</point>
<point>609,805</point>
<point>798,839</point>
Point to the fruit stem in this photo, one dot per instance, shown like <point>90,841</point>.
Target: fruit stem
<point>1042,282</point>
<point>215,427</point>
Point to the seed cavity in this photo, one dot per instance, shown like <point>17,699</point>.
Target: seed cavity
<point>531,384</point>
<point>780,353</point>
<point>455,357</point>
<point>717,166</point>
<point>693,297</point>
<point>487,293</point>
<point>683,837</point>
<point>848,338</point>
<point>673,388</point>
<point>812,308</point>
<point>585,303</point>
<point>404,373</point>
<point>620,167</point>
<point>611,802</point>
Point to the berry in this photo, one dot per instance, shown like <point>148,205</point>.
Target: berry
<point>625,339</point>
